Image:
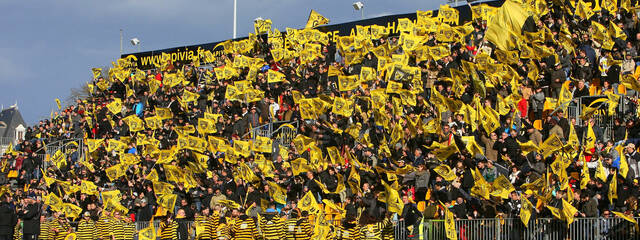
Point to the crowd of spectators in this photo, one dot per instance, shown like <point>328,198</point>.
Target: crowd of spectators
<point>407,165</point>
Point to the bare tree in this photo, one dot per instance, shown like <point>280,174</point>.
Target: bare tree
<point>81,92</point>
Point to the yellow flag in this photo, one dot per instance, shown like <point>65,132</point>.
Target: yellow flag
<point>277,193</point>
<point>445,172</point>
<point>342,106</point>
<point>88,187</point>
<point>315,19</point>
<point>627,217</point>
<point>443,153</point>
<point>53,201</point>
<point>348,83</point>
<point>152,176</point>
<point>262,144</point>
<point>148,233</point>
<point>525,211</point>
<point>354,180</point>
<point>450,224</point>
<point>262,26</point>
<point>164,113</point>
<point>275,76</point>
<point>71,210</point>
<point>96,72</point>
<point>154,122</point>
<point>590,140</point>
<point>624,166</point>
<point>93,144</point>
<point>242,147</point>
<point>502,187</point>
<point>551,144</point>
<point>583,10</point>
<point>115,106</point>
<point>613,188</point>
<point>168,201</point>
<point>134,122</point>
<point>302,142</point>
<point>115,172</point>
<point>59,104</point>
<point>568,211</point>
<point>600,171</point>
<point>206,125</point>
<point>162,188</point>
<point>447,14</point>
<point>393,201</point>
<point>299,165</point>
<point>334,155</point>
<point>610,5</point>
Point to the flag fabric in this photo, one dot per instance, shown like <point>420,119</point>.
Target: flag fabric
<point>59,104</point>
<point>450,225</point>
<point>148,233</point>
<point>315,19</point>
<point>445,172</point>
<point>568,211</point>
<point>628,218</point>
<point>525,211</point>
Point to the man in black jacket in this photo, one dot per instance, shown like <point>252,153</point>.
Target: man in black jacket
<point>8,218</point>
<point>30,215</point>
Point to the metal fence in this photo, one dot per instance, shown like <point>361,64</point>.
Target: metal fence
<point>499,229</point>
<point>544,228</point>
<point>604,121</point>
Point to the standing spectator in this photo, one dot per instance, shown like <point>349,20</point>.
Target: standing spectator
<point>8,218</point>
<point>29,213</point>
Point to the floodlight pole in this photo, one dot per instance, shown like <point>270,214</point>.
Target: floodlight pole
<point>235,11</point>
<point>362,13</point>
<point>121,41</point>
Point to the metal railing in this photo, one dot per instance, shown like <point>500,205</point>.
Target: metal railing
<point>542,228</point>
<point>498,229</point>
<point>282,133</point>
<point>4,141</point>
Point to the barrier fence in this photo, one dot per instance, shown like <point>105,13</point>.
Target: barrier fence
<point>499,229</point>
<point>542,228</point>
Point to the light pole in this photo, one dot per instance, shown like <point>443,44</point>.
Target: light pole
<point>120,41</point>
<point>235,11</point>
<point>359,6</point>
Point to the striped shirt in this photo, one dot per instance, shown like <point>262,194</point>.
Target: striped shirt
<point>86,230</point>
<point>245,229</point>
<point>373,231</point>
<point>129,230</point>
<point>351,232</point>
<point>297,228</point>
<point>117,226</point>
<point>271,228</point>
<point>17,232</point>
<point>202,223</point>
<point>388,231</point>
<point>168,230</point>
<point>212,224</point>
<point>104,225</point>
<point>62,229</point>
<point>221,232</point>
<point>45,234</point>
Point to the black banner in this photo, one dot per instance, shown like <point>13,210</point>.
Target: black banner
<point>185,54</point>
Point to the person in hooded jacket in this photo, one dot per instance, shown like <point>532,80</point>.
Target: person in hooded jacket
<point>30,215</point>
<point>8,218</point>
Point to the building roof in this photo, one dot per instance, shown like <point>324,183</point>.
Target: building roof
<point>11,117</point>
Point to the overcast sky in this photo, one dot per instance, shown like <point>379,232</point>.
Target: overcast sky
<point>49,47</point>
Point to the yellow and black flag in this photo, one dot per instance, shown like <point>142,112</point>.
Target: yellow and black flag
<point>315,19</point>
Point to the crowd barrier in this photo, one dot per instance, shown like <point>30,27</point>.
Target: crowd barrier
<point>542,228</point>
<point>502,229</point>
